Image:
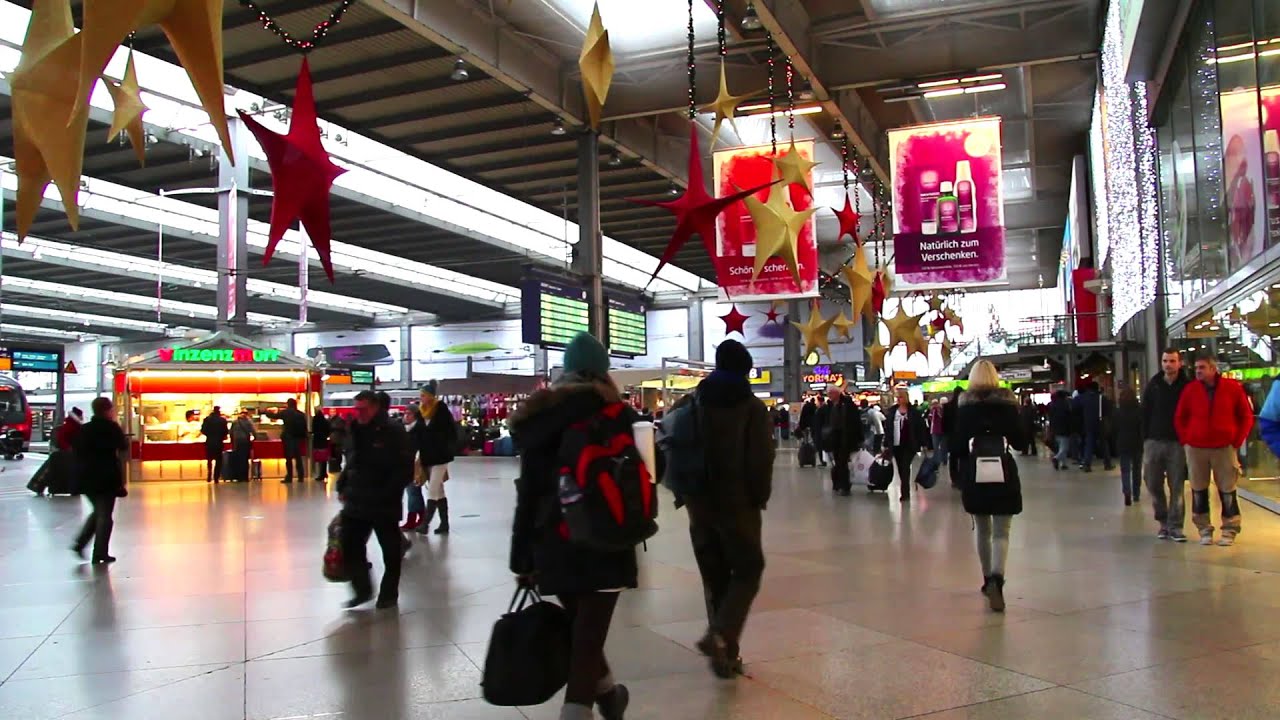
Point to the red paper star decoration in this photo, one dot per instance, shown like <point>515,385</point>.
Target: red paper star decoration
<point>695,210</point>
<point>848,221</point>
<point>773,314</point>
<point>878,292</point>
<point>735,322</point>
<point>301,173</point>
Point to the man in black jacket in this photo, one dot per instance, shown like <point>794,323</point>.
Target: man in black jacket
<point>842,435</point>
<point>1060,428</point>
<point>380,467</point>
<point>100,471</point>
<point>1164,462</point>
<point>725,519</point>
<point>215,430</point>
<point>293,435</point>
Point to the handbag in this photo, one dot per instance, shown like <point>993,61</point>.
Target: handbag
<point>320,455</point>
<point>528,658</point>
<point>927,475</point>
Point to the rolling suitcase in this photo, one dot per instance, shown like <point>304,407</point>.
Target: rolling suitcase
<point>808,454</point>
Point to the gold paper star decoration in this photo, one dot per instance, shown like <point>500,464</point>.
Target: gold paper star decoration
<point>917,343</point>
<point>597,66</point>
<point>816,332</point>
<point>904,328</point>
<point>793,168</point>
<point>857,275</point>
<point>724,107</point>
<point>936,302</point>
<point>48,130</point>
<point>845,325</point>
<point>946,351</point>
<point>194,29</point>
<point>876,351</point>
<point>953,318</point>
<point>778,228</point>
<point>128,111</point>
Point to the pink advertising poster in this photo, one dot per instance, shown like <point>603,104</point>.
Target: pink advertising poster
<point>1271,160</point>
<point>1242,165</point>
<point>745,167</point>
<point>948,208</point>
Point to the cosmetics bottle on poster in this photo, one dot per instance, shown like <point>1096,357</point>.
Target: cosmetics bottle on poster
<point>965,209</point>
<point>948,223</point>
<point>929,202</point>
<point>1271,166</point>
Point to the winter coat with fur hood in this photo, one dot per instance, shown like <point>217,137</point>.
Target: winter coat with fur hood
<point>537,545</point>
<point>981,412</point>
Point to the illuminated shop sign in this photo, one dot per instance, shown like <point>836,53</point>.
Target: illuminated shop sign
<point>219,355</point>
<point>824,375</point>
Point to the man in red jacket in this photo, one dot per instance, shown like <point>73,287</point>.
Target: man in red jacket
<point>1213,421</point>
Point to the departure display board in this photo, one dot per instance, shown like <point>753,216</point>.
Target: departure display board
<point>628,328</point>
<point>29,360</point>
<point>552,311</point>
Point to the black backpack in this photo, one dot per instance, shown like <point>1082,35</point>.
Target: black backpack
<point>685,448</point>
<point>607,496</point>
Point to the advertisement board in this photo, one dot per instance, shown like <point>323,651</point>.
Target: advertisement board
<point>948,204</point>
<point>745,167</point>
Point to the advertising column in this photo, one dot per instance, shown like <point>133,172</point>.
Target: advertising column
<point>948,219</point>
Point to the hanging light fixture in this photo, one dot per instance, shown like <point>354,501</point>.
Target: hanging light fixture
<point>460,72</point>
<point>751,21</point>
<point>673,189</point>
<point>558,128</point>
<point>615,159</point>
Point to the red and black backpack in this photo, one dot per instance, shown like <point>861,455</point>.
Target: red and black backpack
<point>607,497</point>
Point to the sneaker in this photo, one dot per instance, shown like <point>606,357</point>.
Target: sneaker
<point>1177,536</point>
<point>1165,535</point>
<point>1226,540</point>
<point>1206,537</point>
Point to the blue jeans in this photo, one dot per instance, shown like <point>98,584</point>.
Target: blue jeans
<point>940,448</point>
<point>1064,449</point>
<point>1131,475</point>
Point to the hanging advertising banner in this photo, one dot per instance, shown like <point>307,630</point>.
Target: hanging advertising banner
<point>1271,160</point>
<point>1243,165</point>
<point>741,168</point>
<point>948,204</point>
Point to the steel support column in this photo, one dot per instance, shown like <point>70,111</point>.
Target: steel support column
<point>696,338</point>
<point>233,233</point>
<point>406,356</point>
<point>588,254</point>
<point>792,360</point>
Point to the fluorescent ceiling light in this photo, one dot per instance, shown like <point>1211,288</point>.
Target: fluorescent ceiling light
<point>982,78</point>
<point>434,191</point>
<point>113,263</point>
<point>110,298</point>
<point>984,88</point>
<point>80,318</point>
<point>32,331</point>
<point>937,83</point>
<point>755,108</point>
<point>944,93</point>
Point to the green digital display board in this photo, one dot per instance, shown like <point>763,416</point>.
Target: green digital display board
<point>552,311</point>
<point>628,329</point>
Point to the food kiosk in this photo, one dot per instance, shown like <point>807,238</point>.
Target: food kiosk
<point>163,397</point>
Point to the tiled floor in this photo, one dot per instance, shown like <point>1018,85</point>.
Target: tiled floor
<point>217,611</point>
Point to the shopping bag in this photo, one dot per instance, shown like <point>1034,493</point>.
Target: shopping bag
<point>528,658</point>
<point>860,467</point>
<point>334,569</point>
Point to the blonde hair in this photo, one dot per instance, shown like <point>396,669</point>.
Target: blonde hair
<point>984,376</point>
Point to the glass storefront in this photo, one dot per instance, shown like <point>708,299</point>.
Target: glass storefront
<point>1217,123</point>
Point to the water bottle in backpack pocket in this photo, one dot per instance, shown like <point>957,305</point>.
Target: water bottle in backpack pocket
<point>607,497</point>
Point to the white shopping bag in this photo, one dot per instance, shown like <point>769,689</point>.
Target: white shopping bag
<point>860,467</point>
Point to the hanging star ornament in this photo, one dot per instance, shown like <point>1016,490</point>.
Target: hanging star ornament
<point>194,29</point>
<point>127,117</point>
<point>845,325</point>
<point>773,314</point>
<point>735,322</point>
<point>876,352</point>
<point>794,168</point>
<point>955,319</point>
<point>935,303</point>
<point>597,66</point>
<point>695,210</point>
<point>778,227</point>
<point>881,289</point>
<point>917,343</point>
<point>816,332</point>
<point>946,351</point>
<point>46,147</point>
<point>301,173</point>
<point>724,106</point>
<point>857,275</point>
<point>937,326</point>
<point>848,219</point>
<point>904,328</point>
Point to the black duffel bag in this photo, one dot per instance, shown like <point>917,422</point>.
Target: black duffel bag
<point>528,658</point>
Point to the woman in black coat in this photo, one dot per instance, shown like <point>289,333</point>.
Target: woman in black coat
<point>100,473</point>
<point>1128,434</point>
<point>320,452</point>
<point>436,441</point>
<point>587,581</point>
<point>989,411</point>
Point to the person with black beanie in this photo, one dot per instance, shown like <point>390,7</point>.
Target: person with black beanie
<point>725,519</point>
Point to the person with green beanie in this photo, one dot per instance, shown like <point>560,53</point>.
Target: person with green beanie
<point>586,580</point>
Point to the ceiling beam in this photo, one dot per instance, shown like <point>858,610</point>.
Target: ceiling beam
<point>435,112</point>
<point>482,129</point>
<point>351,33</point>
<point>343,70</point>
<point>415,86</point>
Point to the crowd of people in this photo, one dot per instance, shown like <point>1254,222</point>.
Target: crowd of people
<point>1180,428</point>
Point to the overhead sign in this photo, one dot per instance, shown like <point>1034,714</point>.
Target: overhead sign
<point>219,355</point>
<point>14,360</point>
<point>552,311</point>
<point>948,204</point>
<point>736,247</point>
<point>824,375</point>
<point>348,376</point>
<point>904,375</point>
<point>628,329</point>
<point>760,377</point>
